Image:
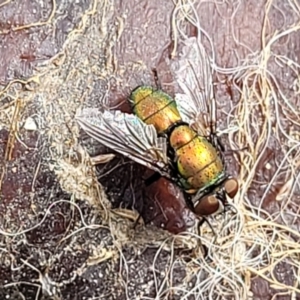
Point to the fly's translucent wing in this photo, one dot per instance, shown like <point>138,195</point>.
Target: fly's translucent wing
<point>196,103</point>
<point>127,135</point>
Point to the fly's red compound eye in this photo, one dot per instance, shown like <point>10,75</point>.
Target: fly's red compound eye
<point>231,187</point>
<point>207,206</point>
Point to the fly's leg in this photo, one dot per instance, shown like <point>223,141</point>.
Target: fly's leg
<point>205,251</point>
<point>201,246</point>
<point>204,219</point>
<point>156,79</point>
<point>216,141</point>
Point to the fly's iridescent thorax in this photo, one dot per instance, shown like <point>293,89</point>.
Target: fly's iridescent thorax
<point>197,160</point>
<point>154,107</point>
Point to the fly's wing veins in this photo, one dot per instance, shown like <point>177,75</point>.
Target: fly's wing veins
<point>196,103</point>
<point>127,135</point>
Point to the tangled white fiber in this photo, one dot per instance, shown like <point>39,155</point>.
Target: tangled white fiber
<point>263,235</point>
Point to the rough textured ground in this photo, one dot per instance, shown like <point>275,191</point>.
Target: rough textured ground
<point>59,238</point>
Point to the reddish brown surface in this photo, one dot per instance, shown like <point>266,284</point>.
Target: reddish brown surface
<point>171,210</point>
<point>27,38</point>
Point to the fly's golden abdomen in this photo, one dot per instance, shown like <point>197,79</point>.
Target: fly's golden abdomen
<point>197,160</point>
<point>155,107</point>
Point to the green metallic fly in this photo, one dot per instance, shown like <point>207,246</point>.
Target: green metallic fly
<point>175,137</point>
